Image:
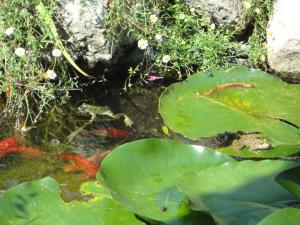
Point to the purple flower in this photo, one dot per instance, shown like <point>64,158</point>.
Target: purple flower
<point>153,78</point>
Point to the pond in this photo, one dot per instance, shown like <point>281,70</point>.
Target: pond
<point>90,139</point>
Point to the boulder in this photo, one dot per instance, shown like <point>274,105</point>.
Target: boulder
<point>283,40</point>
<point>83,24</point>
<point>222,12</point>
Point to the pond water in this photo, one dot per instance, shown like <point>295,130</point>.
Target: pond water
<point>104,133</point>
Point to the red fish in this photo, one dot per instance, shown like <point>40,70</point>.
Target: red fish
<point>22,149</point>
<point>81,163</point>
<point>89,165</point>
<point>111,132</point>
<point>9,142</point>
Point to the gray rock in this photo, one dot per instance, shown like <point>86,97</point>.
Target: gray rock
<point>222,12</point>
<point>83,24</point>
<point>283,40</point>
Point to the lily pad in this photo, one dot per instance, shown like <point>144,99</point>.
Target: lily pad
<point>142,175</point>
<point>290,180</point>
<point>238,193</point>
<point>288,216</point>
<point>39,203</point>
<point>274,152</point>
<point>234,100</point>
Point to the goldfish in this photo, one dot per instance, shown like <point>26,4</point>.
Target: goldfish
<point>80,163</point>
<point>22,149</point>
<point>89,165</point>
<point>10,142</point>
<point>111,132</point>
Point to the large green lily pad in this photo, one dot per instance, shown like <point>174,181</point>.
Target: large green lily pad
<point>142,175</point>
<point>234,100</point>
<point>238,193</point>
<point>288,216</point>
<point>290,180</point>
<point>39,203</point>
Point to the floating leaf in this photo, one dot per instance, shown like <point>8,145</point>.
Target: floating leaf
<point>142,175</point>
<point>238,193</point>
<point>274,152</point>
<point>290,180</point>
<point>233,100</point>
<point>288,216</point>
<point>39,203</point>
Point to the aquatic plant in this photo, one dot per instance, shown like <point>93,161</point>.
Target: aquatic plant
<point>164,181</point>
<point>234,100</point>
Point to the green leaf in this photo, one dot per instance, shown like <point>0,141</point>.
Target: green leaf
<point>237,193</point>
<point>233,100</point>
<point>288,216</point>
<point>39,203</point>
<point>274,152</point>
<point>142,175</point>
<point>290,180</point>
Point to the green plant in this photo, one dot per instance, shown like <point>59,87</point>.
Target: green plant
<point>33,73</point>
<point>165,182</point>
<point>235,100</point>
<point>177,41</point>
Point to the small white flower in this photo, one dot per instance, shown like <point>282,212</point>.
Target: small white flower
<point>153,18</point>
<point>247,4</point>
<point>182,16</point>
<point>257,10</point>
<point>56,52</point>
<point>213,26</point>
<point>9,31</point>
<point>143,44</point>
<point>192,10</point>
<point>158,37</point>
<point>50,75</point>
<point>263,58</point>
<point>166,58</point>
<point>20,52</point>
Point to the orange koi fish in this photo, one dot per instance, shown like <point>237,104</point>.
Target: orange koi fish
<point>22,149</point>
<point>111,132</point>
<point>9,142</point>
<point>80,163</point>
<point>90,165</point>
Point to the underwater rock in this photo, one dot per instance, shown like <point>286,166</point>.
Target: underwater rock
<point>222,12</point>
<point>283,39</point>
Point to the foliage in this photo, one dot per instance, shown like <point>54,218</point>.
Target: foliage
<point>287,216</point>
<point>23,76</point>
<point>231,101</point>
<point>39,203</point>
<point>238,192</point>
<point>163,182</point>
<point>179,41</point>
<point>153,167</point>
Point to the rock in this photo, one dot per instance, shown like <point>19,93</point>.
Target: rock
<point>83,24</point>
<point>283,40</point>
<point>222,12</point>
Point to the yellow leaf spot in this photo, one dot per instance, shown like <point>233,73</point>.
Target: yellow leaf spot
<point>165,130</point>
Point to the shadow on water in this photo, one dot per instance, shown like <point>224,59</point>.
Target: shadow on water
<point>50,135</point>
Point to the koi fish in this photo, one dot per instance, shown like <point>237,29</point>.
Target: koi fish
<point>90,165</point>
<point>22,149</point>
<point>80,163</point>
<point>9,142</point>
<point>111,132</point>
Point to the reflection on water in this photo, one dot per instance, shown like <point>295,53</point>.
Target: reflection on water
<point>103,134</point>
